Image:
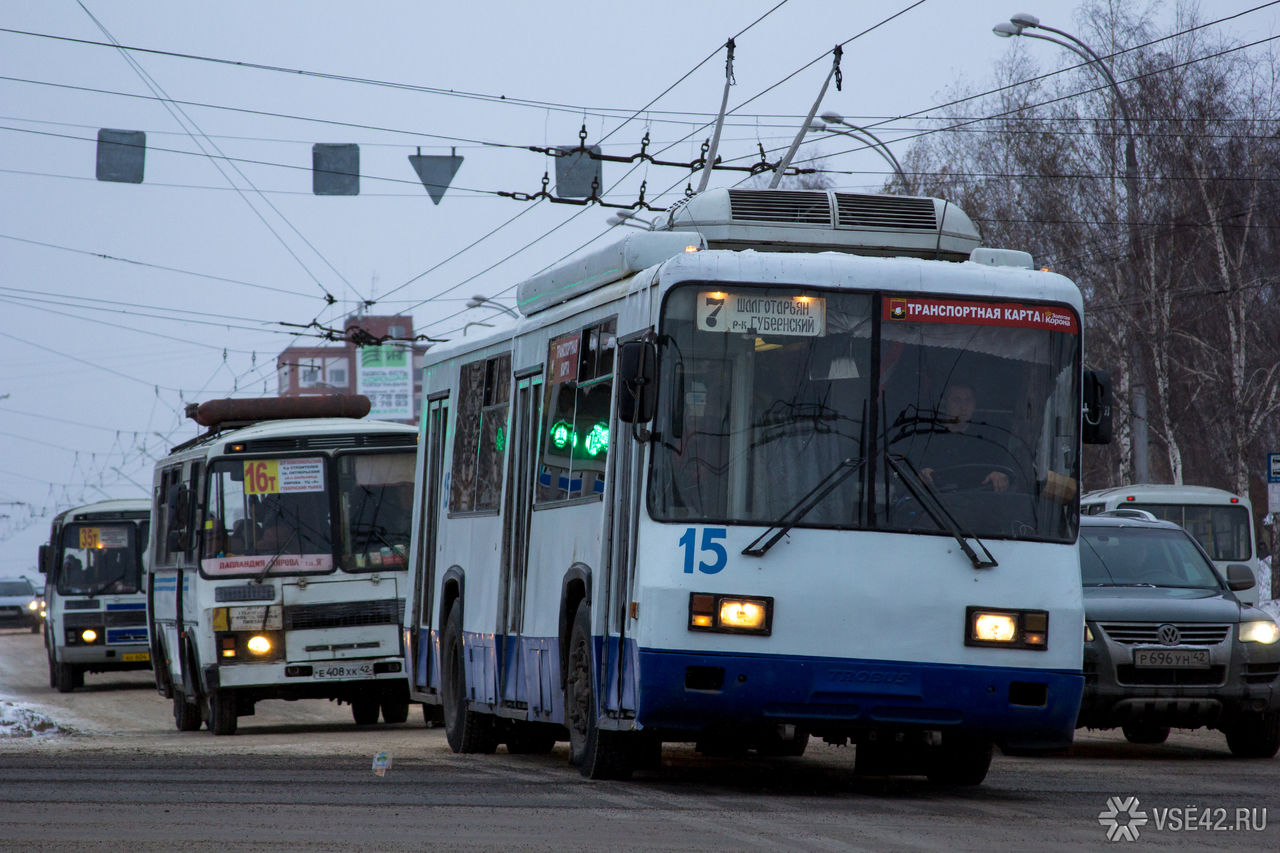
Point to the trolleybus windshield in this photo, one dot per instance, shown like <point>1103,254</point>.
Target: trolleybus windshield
<point>99,558</point>
<point>766,390</point>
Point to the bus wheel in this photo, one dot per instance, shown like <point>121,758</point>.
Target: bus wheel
<point>364,711</point>
<point>53,672</point>
<point>960,762</point>
<point>395,710</point>
<point>186,715</point>
<point>222,712</point>
<point>465,730</point>
<point>597,754</point>
<point>67,677</point>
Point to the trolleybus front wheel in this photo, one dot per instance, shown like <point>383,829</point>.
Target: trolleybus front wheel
<point>598,754</point>
<point>465,730</point>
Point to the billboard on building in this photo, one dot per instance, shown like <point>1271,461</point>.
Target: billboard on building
<point>384,374</point>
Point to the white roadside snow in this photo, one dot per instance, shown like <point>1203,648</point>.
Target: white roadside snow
<point>21,721</point>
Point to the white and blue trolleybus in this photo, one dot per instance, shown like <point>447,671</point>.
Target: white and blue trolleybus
<point>279,545</point>
<point>792,463</point>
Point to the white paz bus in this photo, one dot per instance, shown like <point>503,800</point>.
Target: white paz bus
<point>1220,521</point>
<point>797,463</point>
<point>279,548</point>
<point>95,591</point>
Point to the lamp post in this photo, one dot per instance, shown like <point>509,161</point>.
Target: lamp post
<point>860,134</point>
<point>1018,26</point>
<point>485,302</point>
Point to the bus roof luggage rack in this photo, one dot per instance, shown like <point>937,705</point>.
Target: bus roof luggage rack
<point>824,220</point>
<point>228,413</point>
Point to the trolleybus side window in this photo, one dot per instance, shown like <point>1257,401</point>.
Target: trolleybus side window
<point>480,439</point>
<point>375,500</point>
<point>575,443</point>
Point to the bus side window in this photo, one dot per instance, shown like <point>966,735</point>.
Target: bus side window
<point>579,391</point>
<point>480,436</point>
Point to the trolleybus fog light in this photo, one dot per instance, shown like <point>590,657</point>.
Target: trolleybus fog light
<point>1010,629</point>
<point>1262,631</point>
<point>259,644</point>
<point>730,614</point>
<point>89,635</point>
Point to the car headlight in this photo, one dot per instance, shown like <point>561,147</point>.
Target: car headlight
<point>1259,631</point>
<point>33,605</point>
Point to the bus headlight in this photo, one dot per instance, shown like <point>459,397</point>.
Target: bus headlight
<point>258,644</point>
<point>89,635</point>
<point>1261,631</point>
<point>730,614</point>
<point>1009,629</point>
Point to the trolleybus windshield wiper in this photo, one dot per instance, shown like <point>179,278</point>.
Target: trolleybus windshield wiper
<point>800,509</point>
<point>928,498</point>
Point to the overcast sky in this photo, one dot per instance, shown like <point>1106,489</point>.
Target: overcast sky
<point>121,302</point>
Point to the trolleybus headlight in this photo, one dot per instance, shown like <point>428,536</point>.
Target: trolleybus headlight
<point>1261,631</point>
<point>1012,629</point>
<point>89,635</point>
<point>730,614</point>
<point>259,645</point>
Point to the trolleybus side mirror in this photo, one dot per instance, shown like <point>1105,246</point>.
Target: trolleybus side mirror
<point>1096,415</point>
<point>46,554</point>
<point>637,381</point>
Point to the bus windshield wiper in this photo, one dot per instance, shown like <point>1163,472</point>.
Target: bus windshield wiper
<point>103,588</point>
<point>800,509</point>
<point>276,556</point>
<point>928,498</point>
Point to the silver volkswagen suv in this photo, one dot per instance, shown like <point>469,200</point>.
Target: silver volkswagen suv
<point>1167,643</point>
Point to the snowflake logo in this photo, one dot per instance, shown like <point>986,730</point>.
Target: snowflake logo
<point>1122,817</point>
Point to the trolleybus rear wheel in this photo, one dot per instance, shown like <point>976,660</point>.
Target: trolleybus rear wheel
<point>465,730</point>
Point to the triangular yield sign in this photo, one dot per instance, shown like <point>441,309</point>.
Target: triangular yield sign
<point>435,172</point>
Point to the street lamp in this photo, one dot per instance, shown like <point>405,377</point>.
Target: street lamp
<point>1018,26</point>
<point>861,134</point>
<point>485,302</point>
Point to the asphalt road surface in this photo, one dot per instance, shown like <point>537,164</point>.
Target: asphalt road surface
<point>110,772</point>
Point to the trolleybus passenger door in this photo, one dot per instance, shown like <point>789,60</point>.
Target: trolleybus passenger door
<point>622,508</point>
<point>515,553</point>
<point>426,670</point>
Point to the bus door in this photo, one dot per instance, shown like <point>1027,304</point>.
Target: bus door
<point>426,669</point>
<point>515,686</point>
<point>623,505</point>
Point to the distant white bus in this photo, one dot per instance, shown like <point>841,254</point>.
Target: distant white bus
<point>95,569</point>
<point>1220,521</point>
<point>279,547</point>
<point>693,494</point>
